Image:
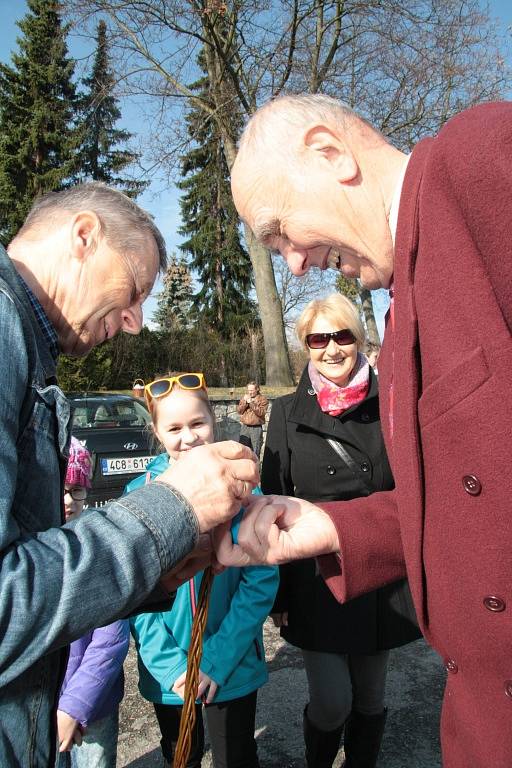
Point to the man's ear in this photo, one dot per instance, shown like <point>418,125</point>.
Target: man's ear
<point>85,234</point>
<point>333,149</point>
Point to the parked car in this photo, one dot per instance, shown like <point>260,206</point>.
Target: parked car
<point>114,428</point>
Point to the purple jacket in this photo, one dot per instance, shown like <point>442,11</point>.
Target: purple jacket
<point>94,682</point>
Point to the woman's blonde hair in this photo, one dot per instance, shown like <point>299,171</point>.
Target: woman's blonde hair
<point>336,308</point>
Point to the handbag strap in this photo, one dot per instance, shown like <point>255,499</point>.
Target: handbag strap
<point>351,464</point>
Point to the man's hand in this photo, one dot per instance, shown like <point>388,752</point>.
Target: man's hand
<point>277,529</point>
<point>215,479</point>
<point>69,731</point>
<point>201,556</point>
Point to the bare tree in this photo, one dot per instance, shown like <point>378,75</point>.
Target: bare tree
<point>407,66</point>
<point>295,292</point>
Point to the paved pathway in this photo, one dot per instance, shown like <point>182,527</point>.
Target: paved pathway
<point>414,691</point>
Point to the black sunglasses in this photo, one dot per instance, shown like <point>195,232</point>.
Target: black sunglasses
<point>321,340</point>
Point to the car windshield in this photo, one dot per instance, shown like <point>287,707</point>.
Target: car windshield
<point>100,413</point>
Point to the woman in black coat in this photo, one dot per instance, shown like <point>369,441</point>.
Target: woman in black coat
<point>324,443</point>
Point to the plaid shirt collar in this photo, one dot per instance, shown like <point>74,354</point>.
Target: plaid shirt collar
<point>47,328</point>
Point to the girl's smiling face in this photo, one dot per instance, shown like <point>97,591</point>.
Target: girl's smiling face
<point>183,420</point>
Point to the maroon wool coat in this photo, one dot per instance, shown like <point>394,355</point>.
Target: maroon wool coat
<point>449,519</point>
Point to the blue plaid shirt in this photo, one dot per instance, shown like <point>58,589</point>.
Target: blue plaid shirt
<point>47,328</point>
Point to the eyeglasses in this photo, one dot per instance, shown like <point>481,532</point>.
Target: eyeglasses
<point>78,494</point>
<point>321,340</point>
<point>162,387</point>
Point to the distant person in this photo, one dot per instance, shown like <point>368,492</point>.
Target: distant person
<point>75,275</point>
<point>232,666</point>
<point>372,352</point>
<point>88,708</point>
<point>324,443</point>
<point>252,409</point>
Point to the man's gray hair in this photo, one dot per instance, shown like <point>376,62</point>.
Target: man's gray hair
<point>123,223</point>
<point>280,116</point>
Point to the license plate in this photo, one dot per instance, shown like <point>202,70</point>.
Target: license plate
<point>125,465</point>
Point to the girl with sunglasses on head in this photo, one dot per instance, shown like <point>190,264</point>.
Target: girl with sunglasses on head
<point>232,666</point>
<point>324,442</point>
<point>88,709</point>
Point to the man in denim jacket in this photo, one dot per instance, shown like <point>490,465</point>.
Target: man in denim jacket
<point>75,275</point>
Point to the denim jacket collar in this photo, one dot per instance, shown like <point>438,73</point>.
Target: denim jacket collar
<point>9,273</point>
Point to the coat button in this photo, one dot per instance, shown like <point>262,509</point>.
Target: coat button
<point>451,666</point>
<point>365,416</point>
<point>508,688</point>
<point>365,466</point>
<point>471,485</point>
<point>331,470</point>
<point>493,603</point>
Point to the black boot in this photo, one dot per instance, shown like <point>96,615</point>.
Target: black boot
<point>363,736</point>
<point>321,746</point>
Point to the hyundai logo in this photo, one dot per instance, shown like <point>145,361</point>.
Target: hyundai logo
<point>130,446</point>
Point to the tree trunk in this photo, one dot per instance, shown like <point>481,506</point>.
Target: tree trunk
<point>369,316</point>
<point>277,363</point>
<point>278,371</point>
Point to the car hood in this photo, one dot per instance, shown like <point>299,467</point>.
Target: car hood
<point>113,439</point>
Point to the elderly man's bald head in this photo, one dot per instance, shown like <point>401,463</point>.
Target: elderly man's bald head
<point>314,180</point>
<point>281,119</point>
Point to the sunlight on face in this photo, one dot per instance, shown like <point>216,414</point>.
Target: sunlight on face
<point>182,420</point>
<point>336,362</point>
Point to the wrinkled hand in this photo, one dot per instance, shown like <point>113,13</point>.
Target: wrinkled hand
<point>280,619</point>
<point>201,556</point>
<point>69,731</point>
<point>215,479</point>
<point>274,530</point>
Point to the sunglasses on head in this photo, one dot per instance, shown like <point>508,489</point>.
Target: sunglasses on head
<point>321,340</point>
<point>162,387</point>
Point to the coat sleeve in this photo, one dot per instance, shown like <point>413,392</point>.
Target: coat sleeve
<point>276,478</point>
<point>106,562</point>
<point>275,469</point>
<point>99,670</point>
<point>242,406</point>
<point>157,647</point>
<point>259,406</point>
<point>371,553</point>
<point>250,606</point>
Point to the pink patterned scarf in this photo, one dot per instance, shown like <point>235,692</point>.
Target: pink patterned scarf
<point>335,400</point>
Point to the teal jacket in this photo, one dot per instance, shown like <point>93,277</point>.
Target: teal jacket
<point>233,653</point>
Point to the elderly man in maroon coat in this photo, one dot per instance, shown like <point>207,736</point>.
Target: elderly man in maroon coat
<point>318,184</point>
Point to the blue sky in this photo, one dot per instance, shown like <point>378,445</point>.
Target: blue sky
<point>163,203</point>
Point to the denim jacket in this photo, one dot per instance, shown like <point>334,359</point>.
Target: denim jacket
<point>57,583</point>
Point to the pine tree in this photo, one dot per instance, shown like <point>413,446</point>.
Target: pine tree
<point>38,137</point>
<point>99,158</point>
<point>174,302</point>
<point>212,226</point>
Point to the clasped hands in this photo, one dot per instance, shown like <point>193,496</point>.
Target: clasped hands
<point>217,480</point>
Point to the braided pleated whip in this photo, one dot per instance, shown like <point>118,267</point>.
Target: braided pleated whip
<point>188,715</point>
